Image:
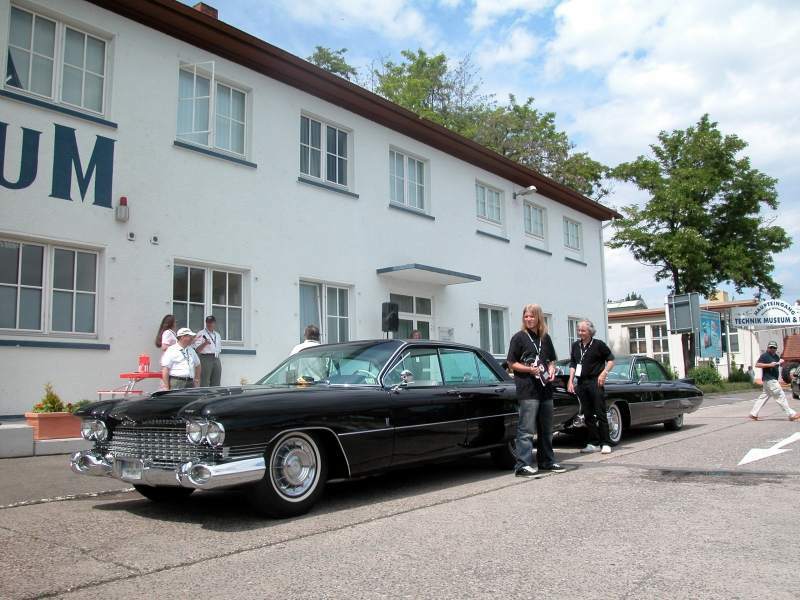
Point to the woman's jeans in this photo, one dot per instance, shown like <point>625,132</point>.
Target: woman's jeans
<point>535,417</point>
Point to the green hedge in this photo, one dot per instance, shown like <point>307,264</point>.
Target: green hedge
<point>705,376</point>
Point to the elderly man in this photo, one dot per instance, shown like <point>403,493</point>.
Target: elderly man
<point>770,364</point>
<point>180,365</point>
<point>208,345</point>
<point>590,361</point>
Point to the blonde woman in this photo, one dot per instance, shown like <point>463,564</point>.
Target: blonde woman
<point>532,358</point>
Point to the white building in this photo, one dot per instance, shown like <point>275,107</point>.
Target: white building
<point>260,189</point>
<point>644,331</point>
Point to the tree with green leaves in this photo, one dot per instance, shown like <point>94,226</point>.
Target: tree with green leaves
<point>333,61</point>
<point>702,224</point>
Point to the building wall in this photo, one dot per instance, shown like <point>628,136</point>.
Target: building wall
<point>260,221</point>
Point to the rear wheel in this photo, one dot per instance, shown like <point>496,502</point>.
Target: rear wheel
<point>295,477</point>
<point>505,457</point>
<point>674,424</point>
<point>786,372</point>
<point>164,494</point>
<point>615,424</point>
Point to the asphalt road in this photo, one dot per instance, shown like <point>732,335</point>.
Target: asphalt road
<point>665,515</point>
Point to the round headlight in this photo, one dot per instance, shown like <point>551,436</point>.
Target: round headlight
<point>87,429</point>
<point>94,429</point>
<point>100,431</point>
<point>215,434</point>
<point>195,431</point>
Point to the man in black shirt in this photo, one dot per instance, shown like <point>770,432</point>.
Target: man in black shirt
<point>532,358</point>
<point>770,364</point>
<point>590,361</point>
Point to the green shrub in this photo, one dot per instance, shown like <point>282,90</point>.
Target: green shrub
<point>737,376</point>
<point>74,407</point>
<point>705,376</point>
<point>50,403</point>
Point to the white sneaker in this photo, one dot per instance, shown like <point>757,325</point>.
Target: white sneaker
<point>588,449</point>
<point>606,449</point>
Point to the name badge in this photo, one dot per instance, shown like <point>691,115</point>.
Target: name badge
<point>578,370</point>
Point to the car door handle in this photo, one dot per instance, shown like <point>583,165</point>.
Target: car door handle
<point>453,392</point>
<point>499,390</point>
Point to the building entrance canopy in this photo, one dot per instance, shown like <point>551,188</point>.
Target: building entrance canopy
<point>427,274</point>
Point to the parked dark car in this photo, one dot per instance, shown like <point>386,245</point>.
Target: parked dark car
<point>794,376</point>
<point>640,391</point>
<point>329,412</point>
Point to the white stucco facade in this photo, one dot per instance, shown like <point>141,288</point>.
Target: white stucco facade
<point>253,218</point>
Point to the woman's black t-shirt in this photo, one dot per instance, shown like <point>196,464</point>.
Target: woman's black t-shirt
<point>526,344</point>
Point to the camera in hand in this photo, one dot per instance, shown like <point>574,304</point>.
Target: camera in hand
<point>532,360</point>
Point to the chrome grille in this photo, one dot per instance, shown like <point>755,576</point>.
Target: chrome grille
<point>159,446</point>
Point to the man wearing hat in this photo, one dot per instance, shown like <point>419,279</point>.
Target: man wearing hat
<point>180,365</point>
<point>208,345</point>
<point>770,365</point>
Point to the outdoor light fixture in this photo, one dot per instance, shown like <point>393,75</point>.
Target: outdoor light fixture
<point>121,213</point>
<point>528,190</point>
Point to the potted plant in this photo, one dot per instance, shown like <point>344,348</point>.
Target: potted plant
<point>52,419</point>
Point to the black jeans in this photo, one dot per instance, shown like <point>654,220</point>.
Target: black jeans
<point>594,411</point>
<point>535,416</point>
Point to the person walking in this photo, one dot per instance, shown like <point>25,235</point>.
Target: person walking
<point>180,365</point>
<point>590,361</point>
<point>208,345</point>
<point>311,335</point>
<point>532,358</point>
<point>770,364</point>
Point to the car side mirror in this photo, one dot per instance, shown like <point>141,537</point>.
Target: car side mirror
<point>642,378</point>
<point>396,388</point>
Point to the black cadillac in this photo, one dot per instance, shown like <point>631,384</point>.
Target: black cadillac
<point>330,412</point>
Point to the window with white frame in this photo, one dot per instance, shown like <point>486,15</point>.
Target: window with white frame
<point>534,216</point>
<point>317,137</point>
<point>572,329</point>
<point>637,340</point>
<point>660,343</point>
<point>489,203</point>
<point>406,180</point>
<point>198,291</point>
<point>573,234</point>
<point>730,337</point>
<point>327,307</point>
<point>44,54</point>
<point>415,313</point>
<point>43,279</point>
<point>210,113</point>
<point>492,322</point>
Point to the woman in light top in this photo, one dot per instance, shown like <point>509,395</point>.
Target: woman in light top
<point>166,333</point>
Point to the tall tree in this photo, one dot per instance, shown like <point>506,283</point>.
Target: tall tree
<point>333,61</point>
<point>702,224</point>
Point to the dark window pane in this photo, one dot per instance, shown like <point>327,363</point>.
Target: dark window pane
<point>8,307</point>
<point>87,272</point>
<point>342,303</point>
<point>344,333</point>
<point>62,311</point>
<point>406,303</point>
<point>30,309</point>
<point>234,289</point>
<point>424,329</point>
<point>219,312</point>
<point>342,169</point>
<point>483,323</point>
<point>331,140</point>
<point>304,130</point>
<point>342,145</point>
<point>316,134</point>
<point>197,282</point>
<point>196,317</point>
<point>219,287</point>
<point>180,283</point>
<point>234,324</point>
<point>179,310</point>
<point>9,262</point>
<point>84,313</point>
<point>333,330</point>
<point>64,269</point>
<point>423,306</point>
<point>404,329</point>
<point>330,174</point>
<point>32,257</point>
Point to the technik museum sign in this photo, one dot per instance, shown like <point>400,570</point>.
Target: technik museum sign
<point>772,313</point>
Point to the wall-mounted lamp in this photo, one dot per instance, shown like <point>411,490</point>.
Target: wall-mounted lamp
<point>528,190</point>
<point>121,212</point>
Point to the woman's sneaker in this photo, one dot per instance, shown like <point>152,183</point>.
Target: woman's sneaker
<point>526,471</point>
<point>606,449</point>
<point>589,449</point>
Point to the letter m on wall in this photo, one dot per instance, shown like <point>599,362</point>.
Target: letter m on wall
<point>66,158</point>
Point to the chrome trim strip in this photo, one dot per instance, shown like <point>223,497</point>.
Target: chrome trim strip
<point>431,424</point>
<point>511,414</point>
<point>365,431</point>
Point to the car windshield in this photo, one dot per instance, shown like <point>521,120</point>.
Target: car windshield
<point>334,364</point>
<point>621,370</point>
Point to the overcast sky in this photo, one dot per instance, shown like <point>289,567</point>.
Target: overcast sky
<point>614,72</point>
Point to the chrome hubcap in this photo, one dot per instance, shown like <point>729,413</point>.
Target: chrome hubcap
<point>614,423</point>
<point>294,466</point>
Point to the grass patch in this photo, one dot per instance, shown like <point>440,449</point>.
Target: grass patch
<point>739,386</point>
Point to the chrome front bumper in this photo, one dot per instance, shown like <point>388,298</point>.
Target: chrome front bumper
<point>200,475</point>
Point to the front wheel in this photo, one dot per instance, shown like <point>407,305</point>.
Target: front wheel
<point>295,477</point>
<point>164,494</point>
<point>615,424</point>
<point>674,424</point>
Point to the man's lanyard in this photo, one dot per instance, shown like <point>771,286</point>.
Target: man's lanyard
<point>185,353</point>
<point>584,351</point>
<point>535,347</point>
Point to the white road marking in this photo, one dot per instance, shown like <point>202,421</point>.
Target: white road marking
<point>755,454</point>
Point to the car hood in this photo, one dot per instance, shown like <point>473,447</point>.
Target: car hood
<point>218,402</point>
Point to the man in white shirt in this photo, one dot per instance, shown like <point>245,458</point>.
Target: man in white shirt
<point>311,336</point>
<point>208,345</point>
<point>180,365</point>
